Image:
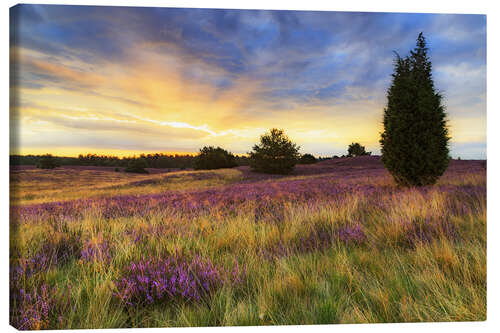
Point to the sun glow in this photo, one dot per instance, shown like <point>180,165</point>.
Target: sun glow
<point>183,87</point>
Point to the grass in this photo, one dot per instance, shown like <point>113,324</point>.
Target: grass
<point>39,186</point>
<point>374,253</point>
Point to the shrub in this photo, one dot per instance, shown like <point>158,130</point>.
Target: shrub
<point>355,149</point>
<point>38,309</point>
<point>137,165</point>
<point>415,137</point>
<point>174,278</point>
<point>214,158</point>
<point>96,249</point>
<point>275,154</point>
<point>307,159</point>
<point>47,162</point>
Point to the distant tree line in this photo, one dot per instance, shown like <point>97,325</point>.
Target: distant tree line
<point>158,160</point>
<point>275,153</point>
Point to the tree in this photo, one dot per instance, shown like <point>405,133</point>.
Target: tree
<point>307,159</point>
<point>47,162</point>
<point>137,165</point>
<point>355,149</point>
<point>214,158</point>
<point>415,138</point>
<point>275,154</point>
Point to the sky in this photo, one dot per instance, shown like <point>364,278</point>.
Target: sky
<point>131,80</point>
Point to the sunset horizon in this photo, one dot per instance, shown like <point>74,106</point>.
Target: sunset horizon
<point>175,80</point>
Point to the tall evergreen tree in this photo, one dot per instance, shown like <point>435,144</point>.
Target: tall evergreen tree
<point>415,138</point>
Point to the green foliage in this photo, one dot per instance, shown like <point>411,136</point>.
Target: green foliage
<point>355,149</point>
<point>137,166</point>
<point>214,158</point>
<point>275,154</point>
<point>415,138</point>
<point>47,162</point>
<point>307,159</point>
<point>157,160</point>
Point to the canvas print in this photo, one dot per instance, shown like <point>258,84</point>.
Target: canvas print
<point>208,167</point>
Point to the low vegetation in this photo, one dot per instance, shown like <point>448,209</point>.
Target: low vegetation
<point>335,242</point>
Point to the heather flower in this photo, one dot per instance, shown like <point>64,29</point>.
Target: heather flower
<point>425,230</point>
<point>22,268</point>
<point>333,183</point>
<point>140,234</point>
<point>270,196</point>
<point>175,277</point>
<point>62,247</point>
<point>268,211</point>
<point>32,309</point>
<point>136,235</point>
<point>53,252</point>
<point>317,239</point>
<point>351,234</point>
<point>96,249</point>
<point>37,309</point>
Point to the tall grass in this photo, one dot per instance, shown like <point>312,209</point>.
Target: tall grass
<point>375,253</point>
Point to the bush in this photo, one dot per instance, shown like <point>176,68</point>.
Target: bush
<point>415,138</point>
<point>214,158</point>
<point>355,149</point>
<point>176,278</point>
<point>307,159</point>
<point>47,162</point>
<point>275,154</point>
<point>137,165</point>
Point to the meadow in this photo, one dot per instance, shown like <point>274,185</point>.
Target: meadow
<point>334,242</point>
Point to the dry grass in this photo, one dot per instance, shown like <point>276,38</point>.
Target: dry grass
<point>387,277</point>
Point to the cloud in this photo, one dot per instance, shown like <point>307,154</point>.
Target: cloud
<point>177,124</point>
<point>198,76</point>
